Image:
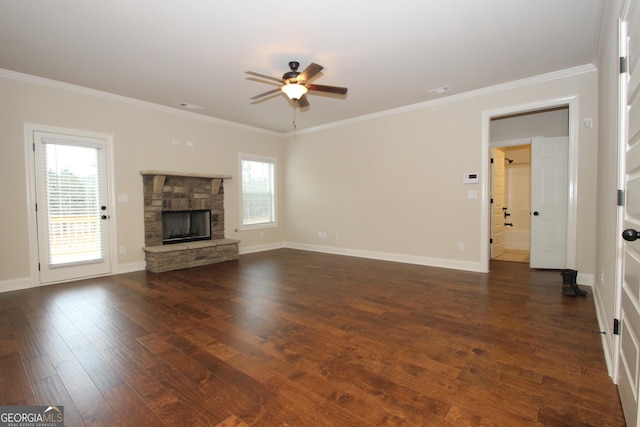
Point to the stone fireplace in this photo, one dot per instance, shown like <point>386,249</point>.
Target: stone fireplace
<point>184,220</point>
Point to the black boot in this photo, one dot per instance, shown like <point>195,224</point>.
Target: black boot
<point>579,292</point>
<point>567,286</point>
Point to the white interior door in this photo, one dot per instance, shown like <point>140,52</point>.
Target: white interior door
<point>72,210</point>
<point>497,211</point>
<point>629,330</point>
<point>549,202</point>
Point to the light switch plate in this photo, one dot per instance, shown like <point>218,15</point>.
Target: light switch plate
<point>470,178</point>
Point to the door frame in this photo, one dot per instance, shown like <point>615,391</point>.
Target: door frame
<point>32,224</point>
<point>572,103</point>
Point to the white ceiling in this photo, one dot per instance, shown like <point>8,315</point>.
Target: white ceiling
<point>388,53</point>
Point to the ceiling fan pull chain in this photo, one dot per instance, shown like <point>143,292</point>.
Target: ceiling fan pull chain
<point>294,114</point>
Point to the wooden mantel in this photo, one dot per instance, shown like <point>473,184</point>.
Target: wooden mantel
<point>160,176</point>
<point>187,174</point>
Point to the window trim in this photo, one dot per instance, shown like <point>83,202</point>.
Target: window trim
<point>264,159</point>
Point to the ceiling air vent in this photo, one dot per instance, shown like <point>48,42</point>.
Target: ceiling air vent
<point>439,90</point>
<point>190,106</point>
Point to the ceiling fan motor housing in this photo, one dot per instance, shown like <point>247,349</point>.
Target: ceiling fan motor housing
<point>294,71</point>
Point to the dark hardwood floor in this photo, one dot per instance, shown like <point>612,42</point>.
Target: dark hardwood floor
<point>294,338</point>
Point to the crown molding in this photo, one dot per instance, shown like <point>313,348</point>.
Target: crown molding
<point>569,72</point>
<point>529,81</point>
<point>41,81</point>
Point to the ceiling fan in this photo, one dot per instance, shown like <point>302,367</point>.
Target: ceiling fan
<point>296,84</point>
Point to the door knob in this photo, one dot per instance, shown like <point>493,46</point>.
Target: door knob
<point>536,213</point>
<point>630,235</point>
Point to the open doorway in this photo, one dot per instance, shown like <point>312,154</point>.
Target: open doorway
<point>509,134</point>
<point>511,196</point>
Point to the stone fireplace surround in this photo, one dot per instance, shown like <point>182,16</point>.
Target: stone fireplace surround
<point>176,191</point>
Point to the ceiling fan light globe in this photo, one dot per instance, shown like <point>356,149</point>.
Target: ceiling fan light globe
<point>294,90</point>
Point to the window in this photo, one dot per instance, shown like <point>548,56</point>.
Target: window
<point>258,191</point>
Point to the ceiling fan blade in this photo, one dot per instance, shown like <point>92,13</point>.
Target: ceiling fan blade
<point>255,79</point>
<point>331,89</point>
<point>266,98</point>
<point>310,71</point>
<point>303,101</point>
<point>272,91</point>
<point>262,76</point>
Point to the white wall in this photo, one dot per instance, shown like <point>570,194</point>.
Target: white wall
<point>142,140</point>
<point>391,186</point>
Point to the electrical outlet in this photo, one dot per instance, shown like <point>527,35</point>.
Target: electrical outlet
<point>123,250</point>
<point>337,236</point>
<point>324,234</point>
<point>261,234</point>
<point>460,246</point>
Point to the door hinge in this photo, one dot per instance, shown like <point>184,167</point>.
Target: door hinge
<point>491,201</point>
<point>38,266</point>
<point>34,147</point>
<point>623,64</point>
<point>492,160</point>
<point>490,240</point>
<point>620,197</point>
<point>616,327</point>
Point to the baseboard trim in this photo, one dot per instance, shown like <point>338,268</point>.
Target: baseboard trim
<point>388,256</point>
<point>607,343</point>
<point>15,284</point>
<point>261,248</point>
<point>585,279</point>
<point>131,267</point>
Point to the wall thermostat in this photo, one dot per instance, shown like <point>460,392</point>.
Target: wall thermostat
<point>470,178</point>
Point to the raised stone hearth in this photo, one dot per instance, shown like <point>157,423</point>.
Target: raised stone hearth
<point>174,191</point>
<point>192,254</point>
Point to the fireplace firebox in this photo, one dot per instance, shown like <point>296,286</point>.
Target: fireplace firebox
<point>185,226</point>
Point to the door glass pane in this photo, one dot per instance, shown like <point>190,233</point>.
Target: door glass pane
<point>73,202</point>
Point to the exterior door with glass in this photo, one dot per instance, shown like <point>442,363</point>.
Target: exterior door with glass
<point>72,210</point>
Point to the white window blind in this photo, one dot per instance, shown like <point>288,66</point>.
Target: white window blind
<point>258,191</point>
<point>73,203</point>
